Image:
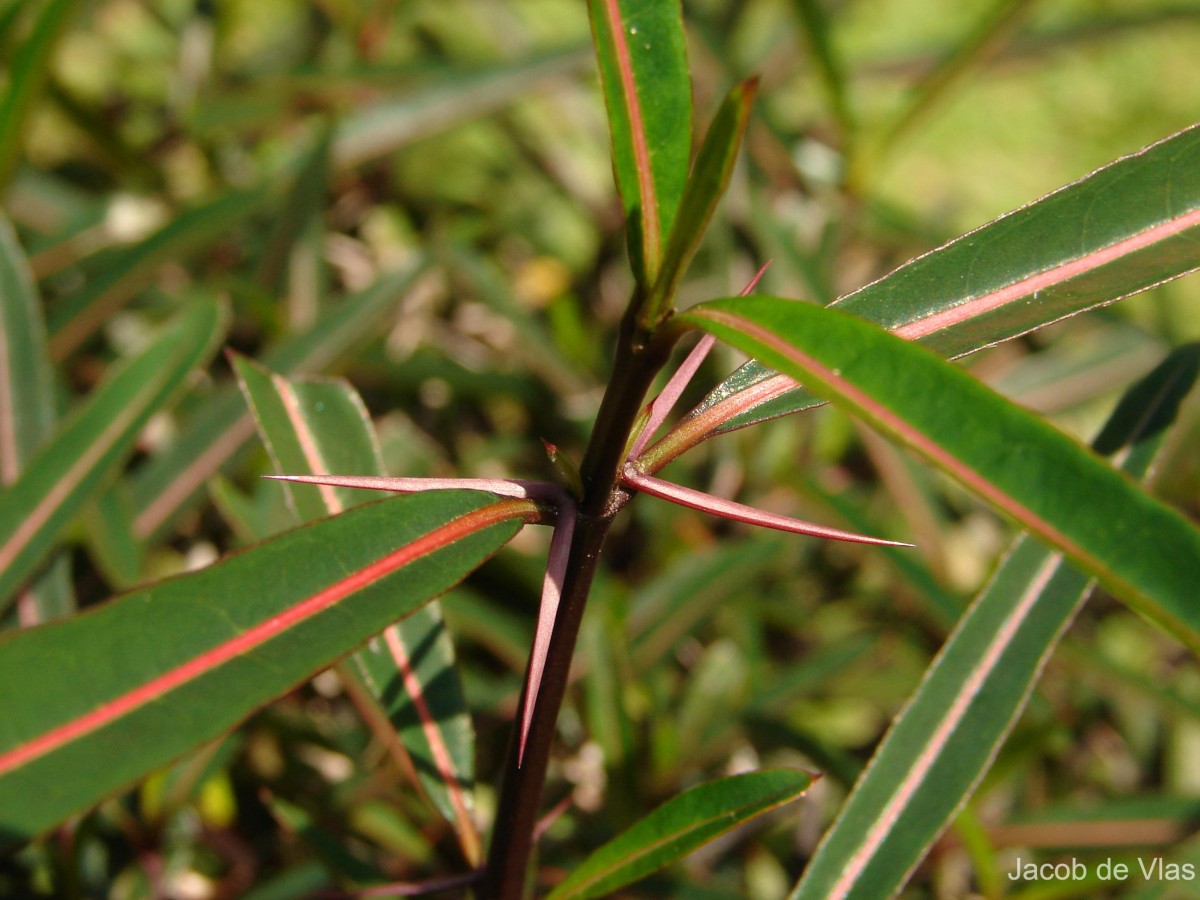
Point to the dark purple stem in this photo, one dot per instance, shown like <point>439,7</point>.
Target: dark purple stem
<point>637,361</point>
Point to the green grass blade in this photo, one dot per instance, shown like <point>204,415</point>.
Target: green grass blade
<point>939,748</point>
<point>320,427</point>
<point>27,407</point>
<point>173,481</point>
<point>641,52</point>
<point>1127,227</point>
<point>1144,552</point>
<point>151,675</point>
<point>678,827</point>
<point>86,449</point>
<point>27,74</point>
<point>128,270</point>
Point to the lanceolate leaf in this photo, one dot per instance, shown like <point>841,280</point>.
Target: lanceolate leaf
<point>147,677</point>
<point>320,427</point>
<point>92,443</point>
<point>26,378</point>
<point>643,71</point>
<point>1143,551</point>
<point>174,479</point>
<point>678,827</point>
<point>705,186</point>
<point>940,747</point>
<point>1126,227</point>
<point>27,404</point>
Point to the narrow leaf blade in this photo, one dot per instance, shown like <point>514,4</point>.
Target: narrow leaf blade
<point>1125,228</point>
<point>642,56</point>
<point>320,426</point>
<point>704,189</point>
<point>147,677</point>
<point>1143,551</point>
<point>27,406</point>
<point>88,447</point>
<point>130,269</point>
<point>942,744</point>
<point>678,827</point>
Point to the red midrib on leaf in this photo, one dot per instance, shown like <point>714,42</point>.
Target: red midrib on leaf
<point>890,421</point>
<point>1064,272</point>
<point>651,237</point>
<point>260,634</point>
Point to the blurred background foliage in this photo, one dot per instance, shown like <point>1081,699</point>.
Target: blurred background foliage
<point>287,155</point>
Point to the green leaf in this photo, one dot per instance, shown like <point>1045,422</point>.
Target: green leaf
<point>26,376</point>
<point>939,748</point>
<point>147,677</point>
<point>1143,551</point>
<point>377,129</point>
<point>678,827</point>
<point>173,480</point>
<point>126,271</point>
<point>642,55</point>
<point>27,406</point>
<point>27,73</point>
<point>704,189</point>
<point>90,445</point>
<point>1129,226</point>
<point>320,427</point>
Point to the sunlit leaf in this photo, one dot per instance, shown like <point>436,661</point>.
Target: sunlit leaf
<point>148,676</point>
<point>320,426</point>
<point>942,744</point>
<point>1140,549</point>
<point>643,70</point>
<point>678,827</point>
<point>1127,227</point>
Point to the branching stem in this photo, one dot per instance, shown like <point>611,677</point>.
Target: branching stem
<point>638,359</point>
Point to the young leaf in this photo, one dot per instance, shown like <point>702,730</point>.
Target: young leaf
<point>1126,227</point>
<point>678,827</point>
<point>320,426</point>
<point>1143,551</point>
<point>941,745</point>
<point>705,186</point>
<point>92,443</point>
<point>151,675</point>
<point>641,52</point>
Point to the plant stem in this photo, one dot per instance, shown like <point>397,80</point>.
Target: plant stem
<point>638,359</point>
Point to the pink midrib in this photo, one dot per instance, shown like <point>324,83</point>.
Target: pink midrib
<point>313,457</point>
<point>258,635</point>
<point>651,238</point>
<point>891,422</point>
